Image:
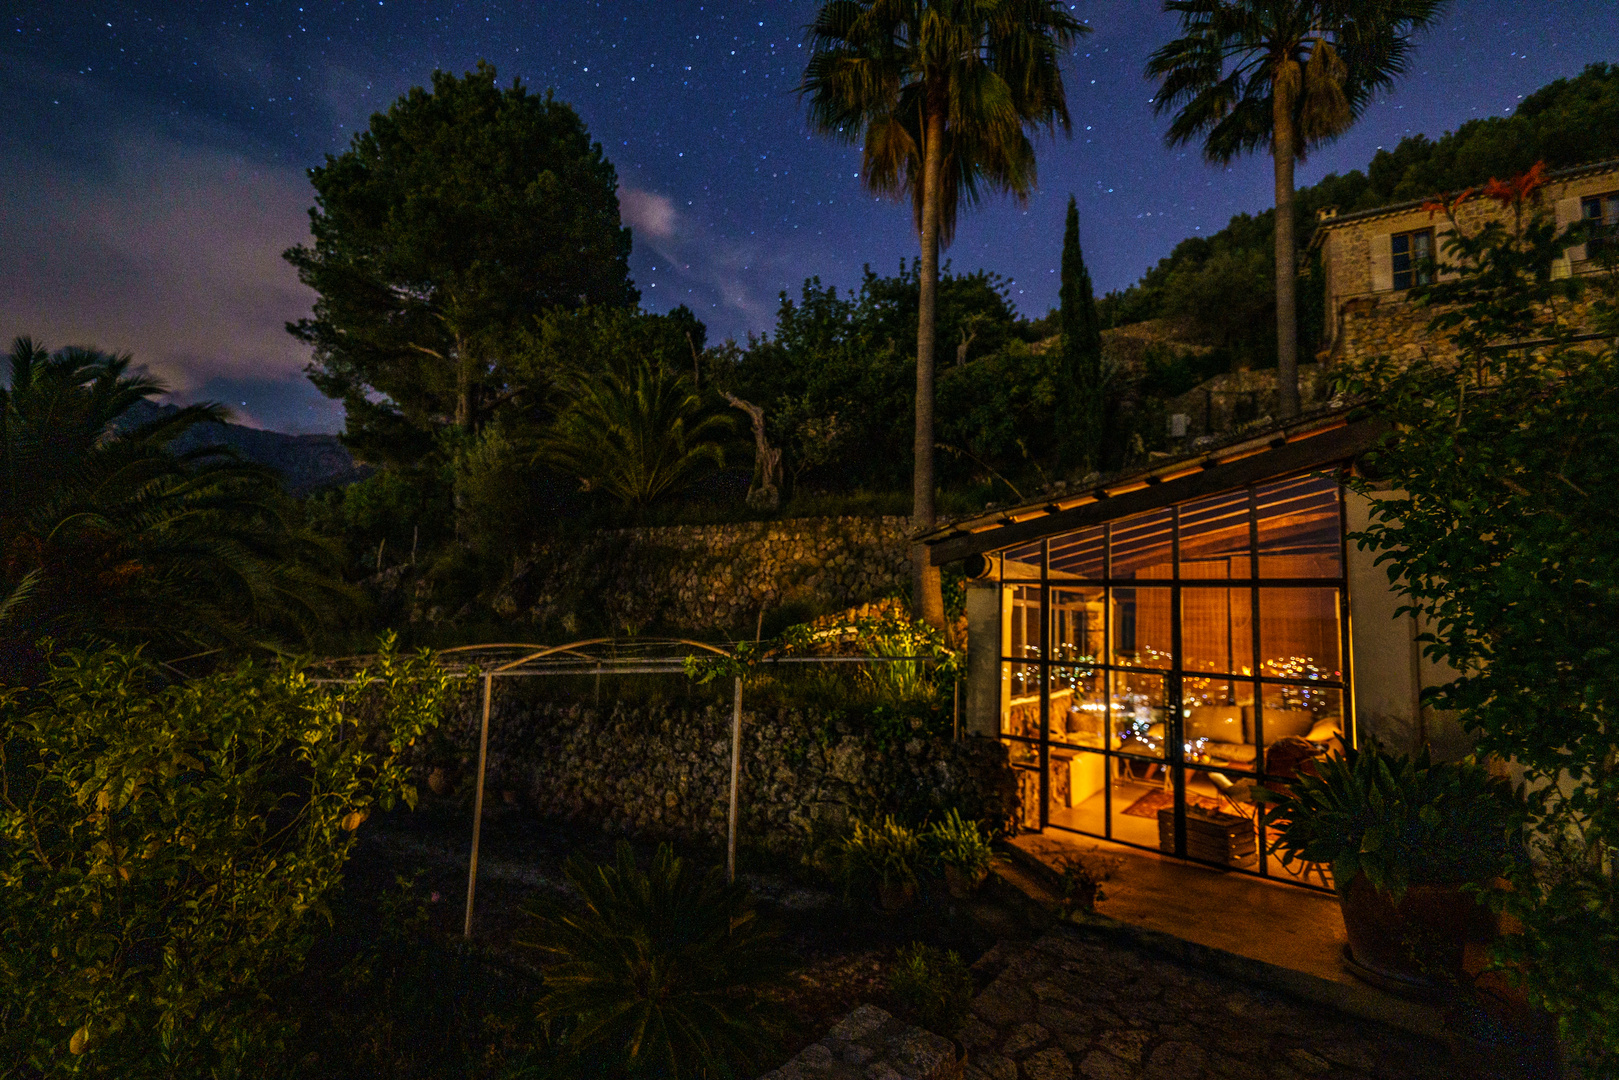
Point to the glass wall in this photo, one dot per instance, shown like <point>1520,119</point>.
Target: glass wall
<point>1157,668</point>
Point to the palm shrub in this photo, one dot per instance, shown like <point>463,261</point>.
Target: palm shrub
<point>635,429</point>
<point>1399,820</point>
<point>169,850</point>
<point>657,972</point>
<point>107,535</point>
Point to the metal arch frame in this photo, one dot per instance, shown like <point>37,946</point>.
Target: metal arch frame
<point>513,668</point>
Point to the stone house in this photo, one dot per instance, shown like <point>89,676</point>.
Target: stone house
<point>1372,258</point>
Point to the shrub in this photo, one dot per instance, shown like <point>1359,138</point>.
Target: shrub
<point>932,988</point>
<point>659,972</point>
<point>170,849</point>
<point>954,842</point>
<point>1400,820</point>
<point>887,853</point>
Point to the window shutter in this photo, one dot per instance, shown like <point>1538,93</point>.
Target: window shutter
<point>1568,212</point>
<point>1382,263</point>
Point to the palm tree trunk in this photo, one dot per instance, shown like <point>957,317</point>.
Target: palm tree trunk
<point>463,385</point>
<point>927,599</point>
<point>1287,320</point>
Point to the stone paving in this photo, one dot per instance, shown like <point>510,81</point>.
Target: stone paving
<point>1067,1006</point>
<point>869,1044</point>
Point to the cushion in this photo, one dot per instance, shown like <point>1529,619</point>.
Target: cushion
<point>1287,724</point>
<point>1243,753</point>
<point>1325,730</point>
<point>1219,723</point>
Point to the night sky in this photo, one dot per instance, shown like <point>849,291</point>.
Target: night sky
<point>155,154</point>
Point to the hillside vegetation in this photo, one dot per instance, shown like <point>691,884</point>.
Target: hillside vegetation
<point>1220,286</point>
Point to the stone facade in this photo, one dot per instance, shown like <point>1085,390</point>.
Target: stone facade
<point>659,769</point>
<point>1367,316</point>
<point>706,578</point>
<point>1389,325</point>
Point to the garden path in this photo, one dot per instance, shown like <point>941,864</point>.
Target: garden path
<point>1069,1006</point>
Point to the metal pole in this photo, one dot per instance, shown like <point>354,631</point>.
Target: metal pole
<point>477,805</point>
<point>736,770</point>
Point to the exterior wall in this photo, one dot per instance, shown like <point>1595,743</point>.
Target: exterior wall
<point>983,710</point>
<point>706,578</point>
<point>1389,670</point>
<point>1366,315</point>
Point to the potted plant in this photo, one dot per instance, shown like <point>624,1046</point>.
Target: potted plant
<point>961,851</point>
<point>1409,843</point>
<point>884,856</point>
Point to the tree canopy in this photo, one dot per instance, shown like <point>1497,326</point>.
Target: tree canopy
<point>453,220</point>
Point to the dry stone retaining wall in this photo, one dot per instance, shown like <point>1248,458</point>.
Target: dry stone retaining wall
<point>660,769</point>
<point>708,577</point>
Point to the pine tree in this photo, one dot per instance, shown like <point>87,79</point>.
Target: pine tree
<point>1079,412</point>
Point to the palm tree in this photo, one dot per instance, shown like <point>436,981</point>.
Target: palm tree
<point>635,429</point>
<point>943,95</point>
<point>1287,75</point>
<point>106,535</point>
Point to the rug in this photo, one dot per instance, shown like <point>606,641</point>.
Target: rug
<point>1153,801</point>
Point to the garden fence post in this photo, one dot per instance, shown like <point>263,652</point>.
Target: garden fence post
<point>477,804</point>
<point>736,770</point>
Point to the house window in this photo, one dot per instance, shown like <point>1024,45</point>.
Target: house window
<point>1601,213</point>
<point>1413,258</point>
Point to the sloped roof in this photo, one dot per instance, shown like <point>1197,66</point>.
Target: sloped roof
<point>1324,436</point>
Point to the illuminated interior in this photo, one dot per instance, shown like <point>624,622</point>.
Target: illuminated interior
<point>1156,668</point>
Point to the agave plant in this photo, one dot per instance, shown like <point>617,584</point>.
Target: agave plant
<point>657,972</point>
<point>1399,820</point>
<point>107,535</point>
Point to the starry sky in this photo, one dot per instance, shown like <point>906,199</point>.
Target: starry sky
<point>155,157</point>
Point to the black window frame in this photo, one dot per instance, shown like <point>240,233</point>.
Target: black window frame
<point>1603,225</point>
<point>1418,269</point>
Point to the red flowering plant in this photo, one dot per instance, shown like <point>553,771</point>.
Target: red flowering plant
<point>1497,283</point>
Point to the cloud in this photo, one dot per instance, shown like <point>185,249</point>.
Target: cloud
<point>172,253</point>
<point>648,213</point>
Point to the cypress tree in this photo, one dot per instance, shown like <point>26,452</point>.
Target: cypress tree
<point>1079,410</point>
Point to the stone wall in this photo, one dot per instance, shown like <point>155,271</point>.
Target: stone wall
<point>706,578</point>
<point>1391,326</point>
<point>660,769</point>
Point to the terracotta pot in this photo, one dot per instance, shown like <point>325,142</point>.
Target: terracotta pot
<point>896,897</point>
<point>1417,942</point>
<point>960,883</point>
<point>438,781</point>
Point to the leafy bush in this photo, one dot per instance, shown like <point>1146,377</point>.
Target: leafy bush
<point>170,849</point>
<point>659,973</point>
<point>1401,821</point>
<point>960,844</point>
<point>1494,515</point>
<point>887,853</point>
<point>933,988</point>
